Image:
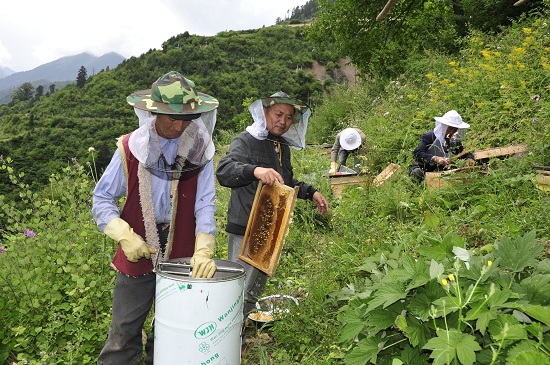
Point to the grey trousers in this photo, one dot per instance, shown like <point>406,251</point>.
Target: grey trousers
<point>255,280</point>
<point>132,301</point>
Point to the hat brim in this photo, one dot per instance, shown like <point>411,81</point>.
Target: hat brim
<point>142,100</point>
<point>445,121</point>
<point>350,146</point>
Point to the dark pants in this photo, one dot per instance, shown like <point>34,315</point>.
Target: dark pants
<point>132,301</point>
<point>416,172</point>
<point>255,280</point>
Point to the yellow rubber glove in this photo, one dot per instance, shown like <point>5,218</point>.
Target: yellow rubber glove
<point>333,168</point>
<point>202,263</point>
<point>132,244</point>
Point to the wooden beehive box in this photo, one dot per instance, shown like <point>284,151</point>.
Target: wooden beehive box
<point>542,180</point>
<point>339,182</point>
<point>389,171</point>
<point>500,151</point>
<point>446,178</point>
<point>268,226</point>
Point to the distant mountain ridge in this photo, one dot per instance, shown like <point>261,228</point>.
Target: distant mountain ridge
<point>5,71</point>
<point>60,71</point>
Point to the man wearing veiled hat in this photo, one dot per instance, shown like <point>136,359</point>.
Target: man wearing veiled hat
<point>262,153</point>
<point>436,146</point>
<point>165,170</point>
<point>350,141</point>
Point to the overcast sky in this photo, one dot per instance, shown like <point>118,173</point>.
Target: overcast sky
<point>36,32</point>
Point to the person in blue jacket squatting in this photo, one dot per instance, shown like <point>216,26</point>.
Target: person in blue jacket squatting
<point>165,169</point>
<point>436,146</point>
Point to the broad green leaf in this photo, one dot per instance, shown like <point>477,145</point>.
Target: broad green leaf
<point>482,315</point>
<point>443,249</point>
<point>466,347</point>
<point>536,330</point>
<point>382,318</point>
<point>369,265</point>
<point>387,295</point>
<point>535,289</point>
<point>513,332</point>
<point>530,357</point>
<point>451,344</point>
<point>431,219</point>
<point>366,350</point>
<point>413,356</point>
<point>417,332</point>
<point>444,306</point>
<point>544,266</point>
<point>519,254</point>
<point>419,306</point>
<point>442,353</point>
<point>353,324</point>
<point>539,312</point>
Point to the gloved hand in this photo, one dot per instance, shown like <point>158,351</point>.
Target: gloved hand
<point>333,168</point>
<point>133,246</point>
<point>202,263</point>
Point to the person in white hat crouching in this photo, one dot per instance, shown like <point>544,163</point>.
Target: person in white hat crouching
<point>436,146</point>
<point>350,141</point>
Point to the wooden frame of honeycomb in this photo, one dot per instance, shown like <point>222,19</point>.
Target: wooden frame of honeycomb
<point>268,226</point>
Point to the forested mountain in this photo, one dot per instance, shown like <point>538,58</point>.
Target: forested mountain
<point>58,72</point>
<point>45,134</point>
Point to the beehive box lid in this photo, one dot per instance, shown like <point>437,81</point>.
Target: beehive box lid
<point>389,171</point>
<point>500,151</point>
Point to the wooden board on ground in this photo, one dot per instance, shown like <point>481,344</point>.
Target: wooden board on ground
<point>268,226</point>
<point>389,171</point>
<point>500,151</point>
<point>338,183</point>
<point>446,178</point>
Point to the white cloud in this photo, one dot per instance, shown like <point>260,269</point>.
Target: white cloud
<point>4,55</point>
<point>31,35</point>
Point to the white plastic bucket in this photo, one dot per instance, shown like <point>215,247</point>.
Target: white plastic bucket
<point>198,321</point>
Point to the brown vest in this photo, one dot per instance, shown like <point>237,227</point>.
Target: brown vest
<point>183,244</point>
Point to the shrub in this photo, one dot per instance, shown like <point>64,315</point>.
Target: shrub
<point>446,304</point>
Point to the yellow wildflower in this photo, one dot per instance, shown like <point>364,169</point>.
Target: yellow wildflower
<point>451,277</point>
<point>489,263</point>
<point>444,282</point>
<point>486,54</point>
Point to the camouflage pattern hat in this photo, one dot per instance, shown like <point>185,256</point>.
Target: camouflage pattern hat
<point>173,94</point>
<point>281,98</point>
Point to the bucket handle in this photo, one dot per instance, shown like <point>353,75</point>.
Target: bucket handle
<point>187,266</point>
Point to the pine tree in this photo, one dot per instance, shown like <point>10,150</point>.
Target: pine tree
<point>82,77</point>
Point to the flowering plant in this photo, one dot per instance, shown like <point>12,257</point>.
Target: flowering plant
<point>450,305</point>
